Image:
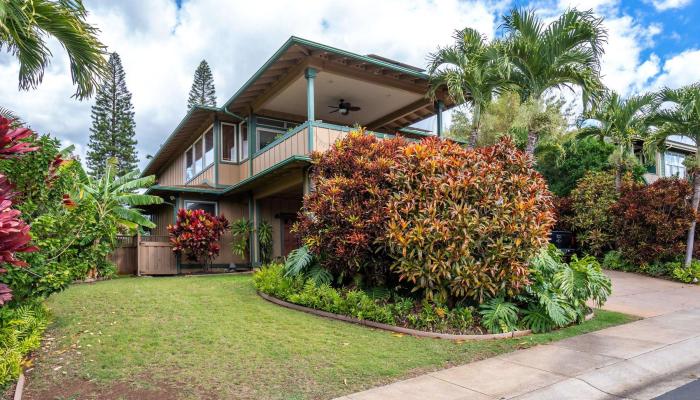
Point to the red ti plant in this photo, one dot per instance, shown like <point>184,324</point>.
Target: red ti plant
<point>14,232</point>
<point>196,234</point>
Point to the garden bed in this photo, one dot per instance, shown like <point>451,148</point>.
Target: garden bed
<point>394,328</point>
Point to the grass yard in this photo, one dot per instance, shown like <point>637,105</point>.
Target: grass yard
<point>213,337</point>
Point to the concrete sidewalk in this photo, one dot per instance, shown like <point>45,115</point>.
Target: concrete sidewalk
<point>640,360</point>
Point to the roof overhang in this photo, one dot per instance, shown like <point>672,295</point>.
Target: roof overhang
<point>393,93</point>
<point>196,120</point>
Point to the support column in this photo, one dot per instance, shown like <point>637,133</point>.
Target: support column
<point>439,105</point>
<point>176,207</point>
<point>217,150</point>
<point>251,219</point>
<point>251,141</point>
<point>310,75</point>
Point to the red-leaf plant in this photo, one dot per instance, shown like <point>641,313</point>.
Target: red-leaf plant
<point>14,232</point>
<point>196,234</point>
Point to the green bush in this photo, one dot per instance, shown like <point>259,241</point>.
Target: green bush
<point>387,309</point>
<point>463,223</point>
<point>20,333</point>
<point>688,275</point>
<point>592,221</point>
<point>563,165</point>
<point>616,261</point>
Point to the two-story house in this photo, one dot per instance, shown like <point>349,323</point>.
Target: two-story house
<point>250,158</point>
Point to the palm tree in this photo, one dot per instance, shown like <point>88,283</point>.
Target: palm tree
<point>116,198</point>
<point>681,118</point>
<point>473,72</point>
<point>622,121</point>
<point>563,54</point>
<point>24,26</point>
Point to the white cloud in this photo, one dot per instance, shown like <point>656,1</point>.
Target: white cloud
<point>680,70</point>
<point>663,5</point>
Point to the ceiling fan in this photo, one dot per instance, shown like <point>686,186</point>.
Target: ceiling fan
<point>344,107</point>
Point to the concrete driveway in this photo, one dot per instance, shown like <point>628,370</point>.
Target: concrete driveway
<point>640,360</point>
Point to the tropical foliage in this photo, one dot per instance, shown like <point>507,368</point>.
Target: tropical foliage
<point>565,162</point>
<point>463,223</point>
<point>196,235</point>
<point>591,201</point>
<point>651,221</point>
<point>241,230</point>
<point>342,221</point>
<point>25,25</point>
<point>622,121</point>
<point>562,54</point>
<point>473,72</point>
<point>681,118</point>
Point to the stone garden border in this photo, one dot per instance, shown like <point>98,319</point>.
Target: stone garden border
<point>392,328</point>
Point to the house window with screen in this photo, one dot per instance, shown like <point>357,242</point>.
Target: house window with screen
<point>673,164</point>
<point>228,142</point>
<point>267,136</point>
<point>200,156</point>
<point>243,132</point>
<point>209,207</point>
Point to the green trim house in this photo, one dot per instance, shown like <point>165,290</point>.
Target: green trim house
<point>250,158</point>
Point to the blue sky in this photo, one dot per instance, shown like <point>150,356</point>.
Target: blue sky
<point>652,43</point>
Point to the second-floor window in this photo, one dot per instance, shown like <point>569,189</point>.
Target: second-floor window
<point>228,142</point>
<point>673,164</point>
<point>200,155</point>
<point>243,130</point>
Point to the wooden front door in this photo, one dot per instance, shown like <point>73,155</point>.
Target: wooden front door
<point>290,241</point>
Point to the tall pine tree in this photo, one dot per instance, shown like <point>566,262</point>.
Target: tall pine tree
<point>202,92</point>
<point>113,126</point>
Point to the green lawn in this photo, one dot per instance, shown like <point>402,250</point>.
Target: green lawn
<point>213,337</point>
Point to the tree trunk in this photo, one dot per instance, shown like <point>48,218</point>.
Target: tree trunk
<point>473,137</point>
<point>691,232</point>
<point>531,142</point>
<point>618,178</point>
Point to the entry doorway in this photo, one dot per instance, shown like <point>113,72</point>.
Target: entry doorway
<point>290,241</point>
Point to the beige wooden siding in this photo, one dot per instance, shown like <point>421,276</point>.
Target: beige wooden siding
<point>324,138</point>
<point>230,174</point>
<point>204,177</point>
<point>174,174</point>
<point>297,144</point>
<point>162,218</point>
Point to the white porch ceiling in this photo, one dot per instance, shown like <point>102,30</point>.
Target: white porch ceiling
<point>375,100</point>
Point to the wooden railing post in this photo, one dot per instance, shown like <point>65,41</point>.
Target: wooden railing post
<point>138,253</point>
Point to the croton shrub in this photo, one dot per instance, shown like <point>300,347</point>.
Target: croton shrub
<point>651,222</point>
<point>14,232</point>
<point>591,218</point>
<point>343,220</point>
<point>196,234</point>
<point>463,223</point>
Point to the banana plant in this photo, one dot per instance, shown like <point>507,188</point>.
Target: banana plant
<point>115,197</point>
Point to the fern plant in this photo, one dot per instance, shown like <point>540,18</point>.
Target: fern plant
<point>301,262</point>
<point>499,315</point>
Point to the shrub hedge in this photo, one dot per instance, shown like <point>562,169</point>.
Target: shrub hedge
<point>343,219</point>
<point>463,223</point>
<point>592,221</point>
<point>651,222</point>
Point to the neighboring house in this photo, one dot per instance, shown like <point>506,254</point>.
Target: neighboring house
<point>671,161</point>
<point>250,158</point>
